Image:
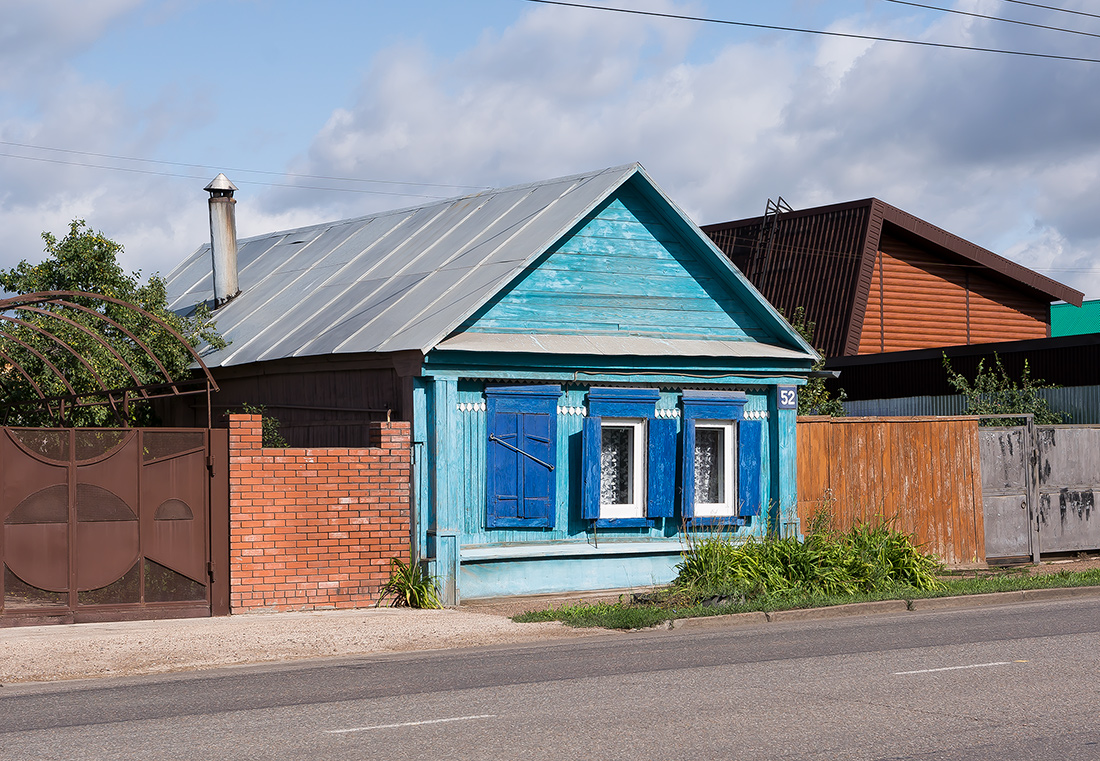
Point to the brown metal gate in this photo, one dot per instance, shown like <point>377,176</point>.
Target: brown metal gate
<point>112,524</point>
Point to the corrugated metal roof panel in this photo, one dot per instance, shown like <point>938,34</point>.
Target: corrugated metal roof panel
<point>388,282</point>
<point>1070,320</point>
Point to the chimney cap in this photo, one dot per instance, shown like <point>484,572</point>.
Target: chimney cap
<point>221,184</point>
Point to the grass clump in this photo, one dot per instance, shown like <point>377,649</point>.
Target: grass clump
<point>410,586</point>
<point>866,559</point>
<point>618,615</point>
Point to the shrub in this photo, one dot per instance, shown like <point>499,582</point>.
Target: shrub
<point>993,392</point>
<point>864,559</point>
<point>410,586</point>
<point>271,436</point>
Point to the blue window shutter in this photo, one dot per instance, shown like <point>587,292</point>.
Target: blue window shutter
<point>687,504</point>
<point>661,485</point>
<point>590,468</point>
<point>537,507</point>
<point>750,456</point>
<point>503,480</point>
<point>520,456</point>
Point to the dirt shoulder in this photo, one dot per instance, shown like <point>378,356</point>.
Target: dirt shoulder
<point>85,651</point>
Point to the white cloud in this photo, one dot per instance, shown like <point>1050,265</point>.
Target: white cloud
<point>38,37</point>
<point>1004,151</point>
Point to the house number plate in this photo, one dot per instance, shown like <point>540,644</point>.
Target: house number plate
<point>788,397</point>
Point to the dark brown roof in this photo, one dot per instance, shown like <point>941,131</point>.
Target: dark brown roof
<point>823,259</point>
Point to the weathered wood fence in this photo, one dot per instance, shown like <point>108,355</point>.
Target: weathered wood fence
<point>921,473</point>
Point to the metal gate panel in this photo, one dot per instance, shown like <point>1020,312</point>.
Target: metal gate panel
<point>1004,452</point>
<point>174,480</point>
<point>1069,479</point>
<point>105,524</point>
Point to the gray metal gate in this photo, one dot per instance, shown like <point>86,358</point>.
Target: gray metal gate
<point>1006,491</point>
<point>1039,487</point>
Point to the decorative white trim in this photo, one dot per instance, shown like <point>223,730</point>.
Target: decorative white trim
<point>579,411</point>
<point>670,413</point>
<point>756,414</point>
<point>472,406</point>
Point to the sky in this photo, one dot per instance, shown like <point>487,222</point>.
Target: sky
<point>119,112</point>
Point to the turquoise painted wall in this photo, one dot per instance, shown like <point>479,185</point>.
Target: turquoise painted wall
<point>623,272</point>
<point>471,441</point>
<point>453,514</point>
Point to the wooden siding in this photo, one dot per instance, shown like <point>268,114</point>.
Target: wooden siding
<point>318,404</point>
<point>918,300</point>
<point>921,474</point>
<point>471,440</point>
<point>623,272</point>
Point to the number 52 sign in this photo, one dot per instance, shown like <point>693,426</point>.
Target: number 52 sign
<point>788,397</point>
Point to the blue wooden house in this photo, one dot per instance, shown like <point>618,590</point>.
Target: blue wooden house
<point>588,378</point>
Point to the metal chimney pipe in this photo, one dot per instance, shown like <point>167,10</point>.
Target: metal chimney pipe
<point>223,239</point>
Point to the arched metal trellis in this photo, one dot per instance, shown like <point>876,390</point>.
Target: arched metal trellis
<point>34,330</point>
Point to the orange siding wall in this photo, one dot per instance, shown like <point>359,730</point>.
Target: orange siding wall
<point>918,301</point>
<point>923,474</point>
<point>315,528</point>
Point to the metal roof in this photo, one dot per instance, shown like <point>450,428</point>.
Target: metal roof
<point>401,280</point>
<point>822,259</point>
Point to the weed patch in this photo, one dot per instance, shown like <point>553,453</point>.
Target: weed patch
<point>410,586</point>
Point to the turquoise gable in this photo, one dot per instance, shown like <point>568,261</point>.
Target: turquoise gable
<point>622,271</point>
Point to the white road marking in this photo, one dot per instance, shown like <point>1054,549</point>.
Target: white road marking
<point>410,724</point>
<point>954,668</point>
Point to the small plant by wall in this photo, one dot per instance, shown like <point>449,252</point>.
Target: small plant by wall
<point>410,586</point>
<point>272,436</point>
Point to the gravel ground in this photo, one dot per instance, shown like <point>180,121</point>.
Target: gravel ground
<point>84,651</point>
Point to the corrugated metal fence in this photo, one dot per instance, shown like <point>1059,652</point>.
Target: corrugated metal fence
<point>1080,403</point>
<point>921,473</point>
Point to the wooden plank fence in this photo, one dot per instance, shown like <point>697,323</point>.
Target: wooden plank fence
<point>921,473</point>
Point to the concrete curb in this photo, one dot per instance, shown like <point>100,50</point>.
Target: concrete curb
<point>714,622</point>
<point>840,611</point>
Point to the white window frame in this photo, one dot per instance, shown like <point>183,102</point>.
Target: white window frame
<point>636,507</point>
<point>728,506</point>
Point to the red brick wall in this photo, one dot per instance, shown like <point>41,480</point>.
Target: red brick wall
<point>315,528</point>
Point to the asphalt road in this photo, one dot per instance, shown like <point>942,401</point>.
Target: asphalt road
<point>1009,682</point>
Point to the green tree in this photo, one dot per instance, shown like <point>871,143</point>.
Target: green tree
<point>814,398</point>
<point>86,261</point>
<point>993,392</point>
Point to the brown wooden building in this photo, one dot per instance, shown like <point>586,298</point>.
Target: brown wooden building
<point>875,279</point>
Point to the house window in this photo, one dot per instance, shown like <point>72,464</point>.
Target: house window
<point>722,464</point>
<point>622,465</point>
<point>628,459</point>
<point>521,456</point>
<point>715,476</point>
